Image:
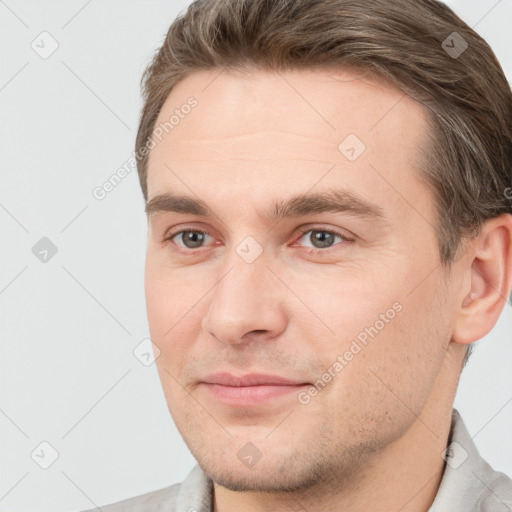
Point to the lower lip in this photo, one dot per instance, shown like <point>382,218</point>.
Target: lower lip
<point>251,395</point>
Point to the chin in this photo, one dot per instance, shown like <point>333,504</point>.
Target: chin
<point>270,474</point>
<point>261,481</point>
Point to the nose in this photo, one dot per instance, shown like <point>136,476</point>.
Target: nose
<point>246,304</point>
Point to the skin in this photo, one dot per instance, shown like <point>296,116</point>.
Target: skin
<point>372,438</point>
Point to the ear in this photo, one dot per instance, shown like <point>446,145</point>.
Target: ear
<point>488,281</point>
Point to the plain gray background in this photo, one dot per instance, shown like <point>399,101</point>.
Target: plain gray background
<point>70,324</point>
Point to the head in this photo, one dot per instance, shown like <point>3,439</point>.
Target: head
<point>326,188</point>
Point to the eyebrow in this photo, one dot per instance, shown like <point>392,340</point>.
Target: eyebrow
<point>331,200</point>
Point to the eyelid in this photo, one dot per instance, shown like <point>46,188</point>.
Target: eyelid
<point>343,233</point>
<point>170,233</point>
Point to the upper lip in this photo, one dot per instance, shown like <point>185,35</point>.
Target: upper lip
<point>250,379</point>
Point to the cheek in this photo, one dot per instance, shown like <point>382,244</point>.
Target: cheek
<point>172,296</point>
<point>381,385</point>
<point>346,305</point>
<point>388,345</point>
<point>175,395</point>
<point>176,304</point>
<point>399,366</point>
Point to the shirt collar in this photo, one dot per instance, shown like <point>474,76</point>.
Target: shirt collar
<point>469,483</point>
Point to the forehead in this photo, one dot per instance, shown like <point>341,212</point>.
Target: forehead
<point>261,133</point>
<point>316,103</point>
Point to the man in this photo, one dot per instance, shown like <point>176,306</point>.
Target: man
<point>327,186</point>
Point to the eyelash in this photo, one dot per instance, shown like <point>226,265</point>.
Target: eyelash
<point>303,231</point>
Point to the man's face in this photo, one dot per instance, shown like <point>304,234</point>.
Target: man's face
<point>350,304</point>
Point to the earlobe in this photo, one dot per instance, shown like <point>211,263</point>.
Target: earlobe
<point>490,280</point>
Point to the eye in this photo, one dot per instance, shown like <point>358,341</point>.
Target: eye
<point>322,238</point>
<point>190,239</point>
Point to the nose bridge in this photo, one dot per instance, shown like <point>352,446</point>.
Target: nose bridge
<point>246,298</point>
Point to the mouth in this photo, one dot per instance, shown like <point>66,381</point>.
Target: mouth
<point>251,389</point>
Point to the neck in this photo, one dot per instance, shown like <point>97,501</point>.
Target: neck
<point>404,476</point>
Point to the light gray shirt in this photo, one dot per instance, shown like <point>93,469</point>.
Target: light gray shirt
<point>469,484</point>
